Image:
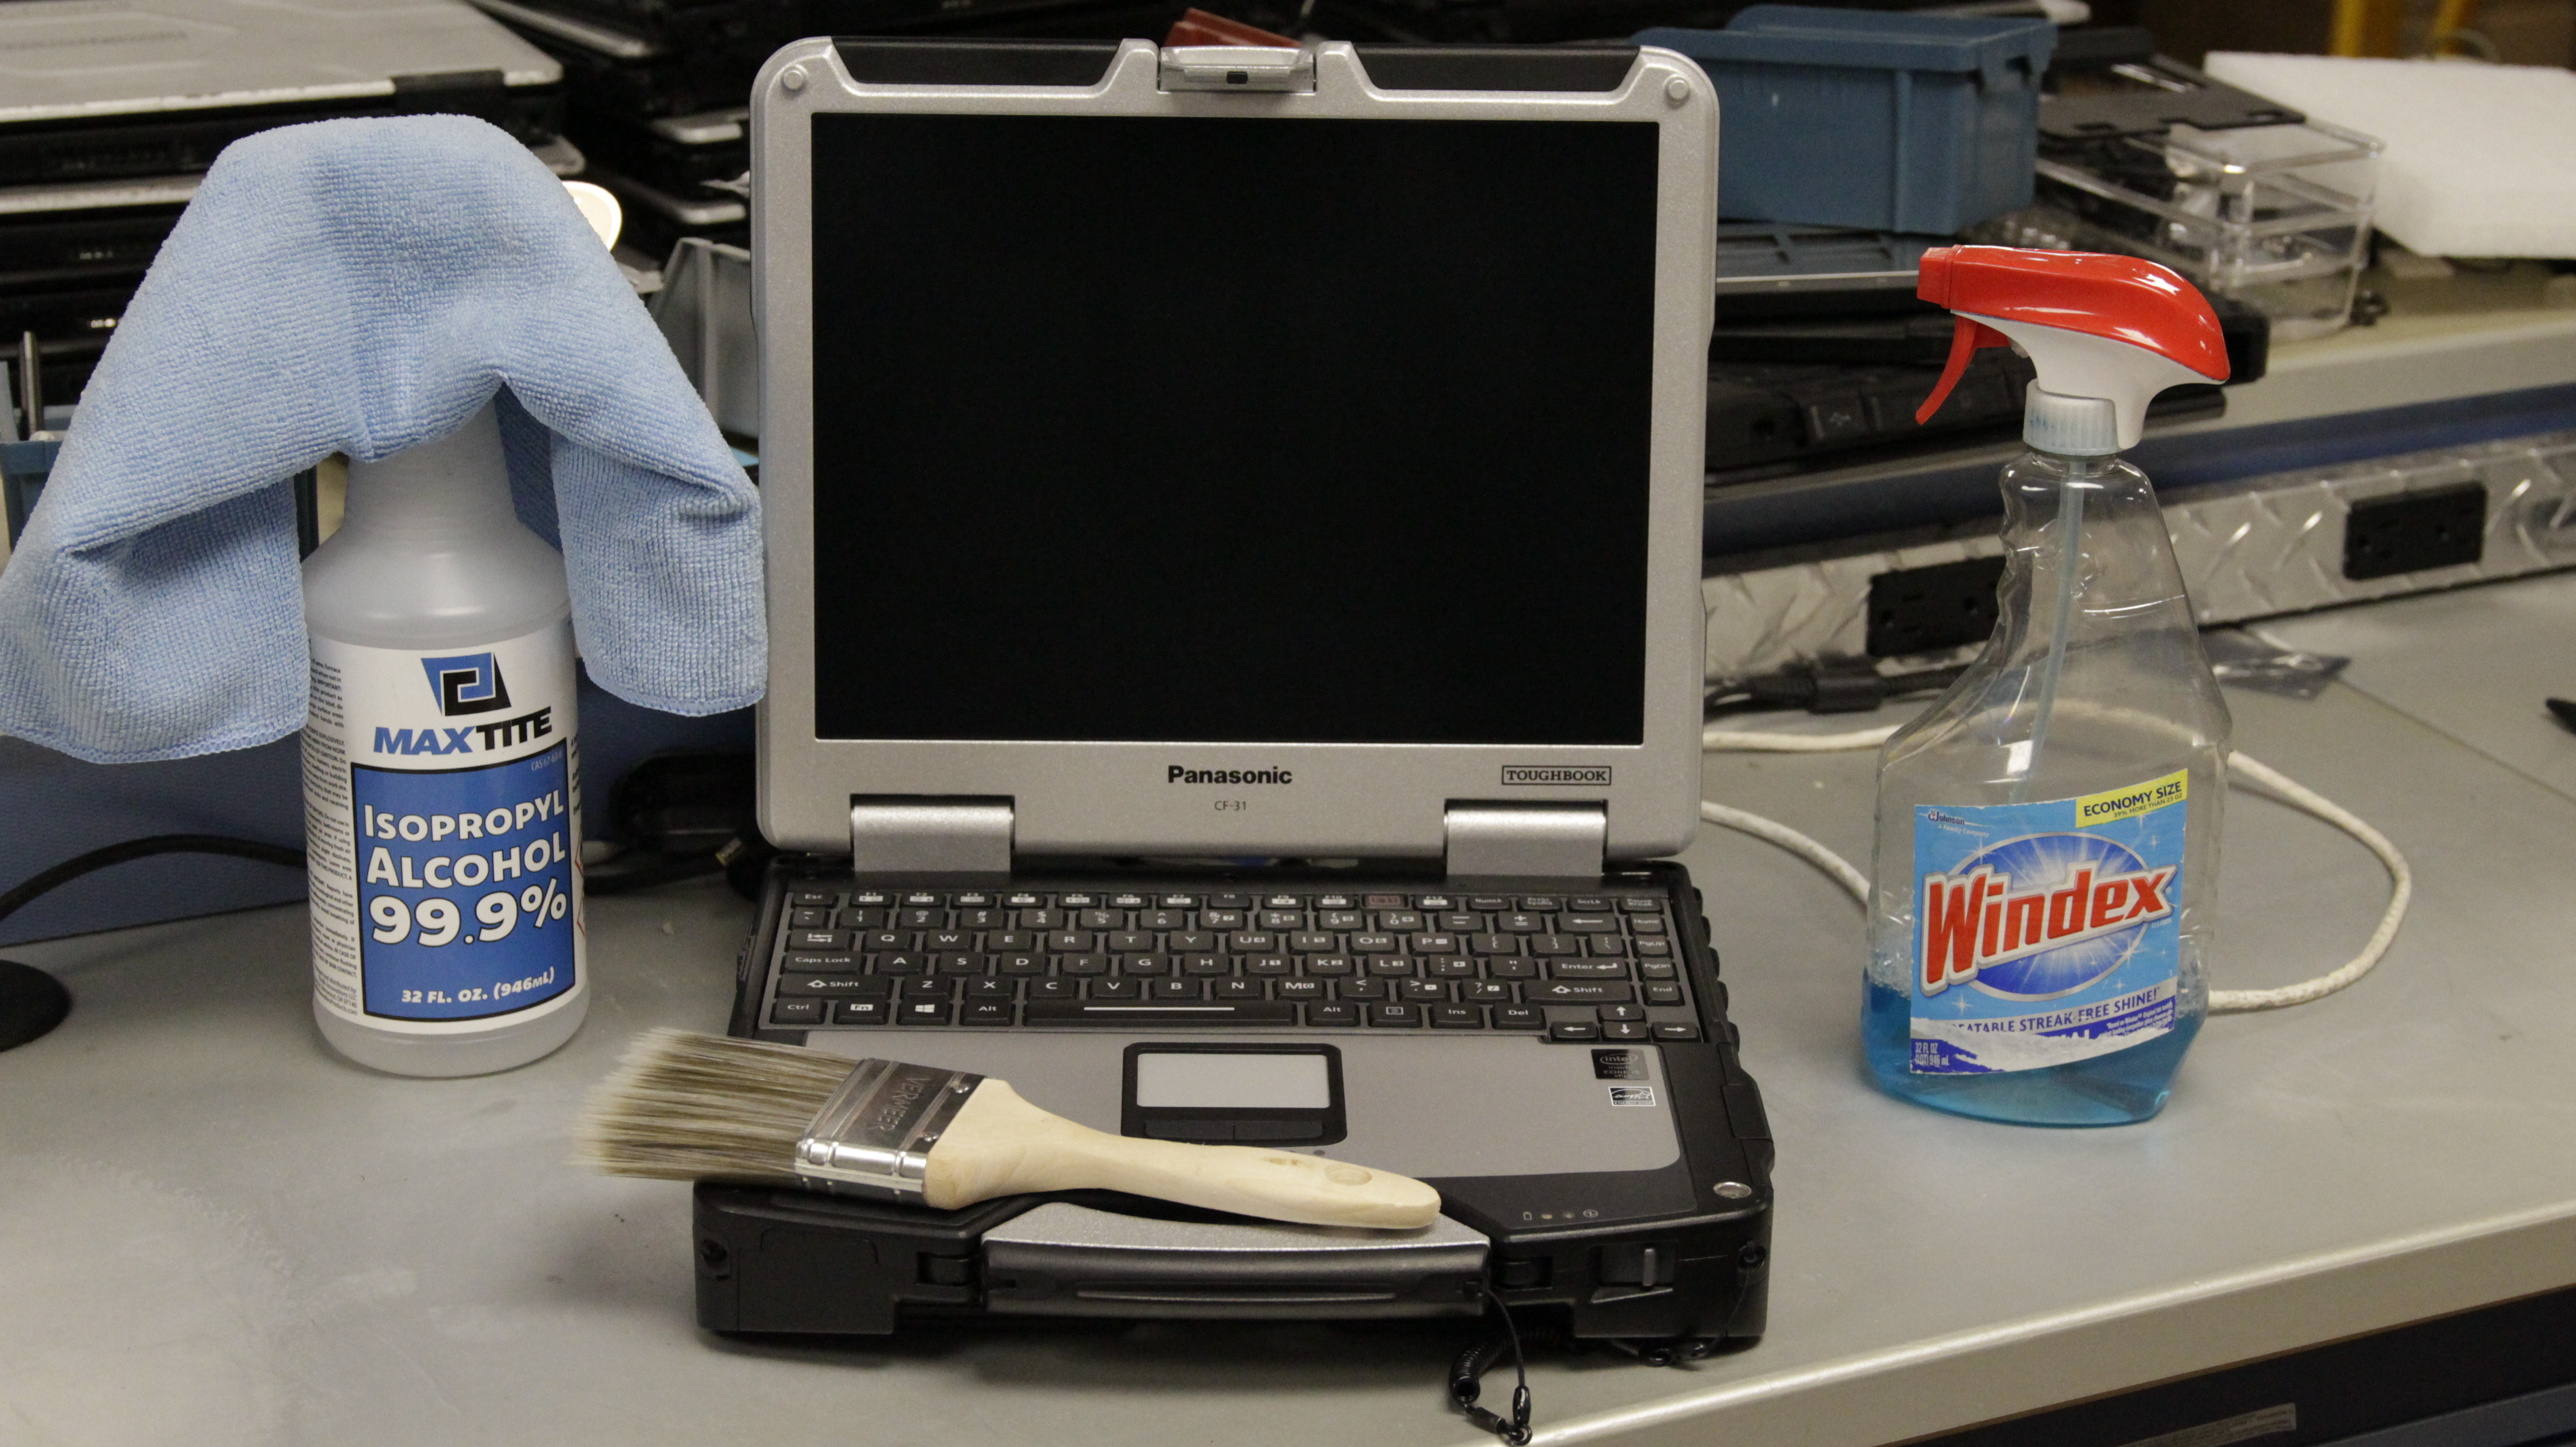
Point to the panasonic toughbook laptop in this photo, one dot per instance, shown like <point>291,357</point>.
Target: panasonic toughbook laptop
<point>1235,646</point>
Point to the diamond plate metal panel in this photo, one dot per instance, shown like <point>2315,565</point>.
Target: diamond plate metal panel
<point>2253,548</point>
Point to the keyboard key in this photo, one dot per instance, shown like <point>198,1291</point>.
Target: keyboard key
<point>1588,924</point>
<point>797,1012</point>
<point>1390,966</point>
<point>1180,901</point>
<point>1235,990</point>
<point>940,940</point>
<point>1576,992</point>
<point>1574,1030</point>
<point>922,919</point>
<point>1459,924</point>
<point>1229,901</point>
<point>1126,941</point>
<point>1078,901</point>
<point>1655,948</point>
<point>1267,965</point>
<point>1663,994</point>
<point>983,919</point>
<point>1310,943</point>
<point>1375,944</point>
<point>810,897</point>
<point>1644,926</point>
<point>929,989</point>
<point>1252,942</point>
<point>1639,904</point>
<point>1422,992</point>
<point>1457,1017</point>
<point>1144,964</point>
<point>1620,1012</point>
<point>985,1012</point>
<point>991,989</point>
<point>1081,965</point>
<point>959,964</point>
<point>1283,919</point>
<point>923,899</point>
<point>1656,970</point>
<point>1190,942</point>
<point>1204,965</point>
<point>1298,989</point>
<point>824,964</point>
<point>1608,945</point>
<point>923,1012</point>
<point>1283,901</point>
<point>1494,945</point>
<point>1488,904</point>
<point>862,919</point>
<point>1452,967</point>
<point>1361,990</point>
<point>1484,991</point>
<point>1677,1031</point>
<point>1519,1017</point>
<point>1220,919</point>
<point>1341,919</point>
<point>1587,969</point>
<point>870,987</point>
<point>1070,941</point>
<point>819,939</point>
<point>871,899</point>
<point>900,963</point>
<point>1511,969</point>
<point>1433,944</point>
<point>1333,1015</point>
<point>1335,901</point>
<point>1520,924</point>
<point>1130,901</point>
<point>1114,990</point>
<point>1176,989</point>
<point>1163,919</point>
<point>1325,965</point>
<point>1588,904</point>
<point>1055,989</point>
<point>1148,1014</point>
<point>876,940</point>
<point>1542,904</point>
<point>1436,901</point>
<point>1555,945</point>
<point>1382,901</point>
<point>809,919</point>
<point>1020,964</point>
<point>997,941</point>
<point>1100,919</point>
<point>1395,1016</point>
<point>1625,1030</point>
<point>859,1012</point>
<point>1039,919</point>
<point>976,900</point>
<point>1399,921</point>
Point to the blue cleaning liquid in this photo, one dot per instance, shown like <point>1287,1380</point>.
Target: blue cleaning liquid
<point>2120,1088</point>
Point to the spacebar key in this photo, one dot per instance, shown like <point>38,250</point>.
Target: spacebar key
<point>1157,1013</point>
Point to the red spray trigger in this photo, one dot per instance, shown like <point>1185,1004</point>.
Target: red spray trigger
<point>1965,339</point>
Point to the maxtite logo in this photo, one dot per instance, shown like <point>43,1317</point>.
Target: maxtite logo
<point>1592,774</point>
<point>467,683</point>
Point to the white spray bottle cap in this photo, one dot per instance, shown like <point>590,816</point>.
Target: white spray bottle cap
<point>2106,334</point>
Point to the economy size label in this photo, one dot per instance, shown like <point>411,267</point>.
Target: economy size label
<point>2046,933</point>
<point>442,812</point>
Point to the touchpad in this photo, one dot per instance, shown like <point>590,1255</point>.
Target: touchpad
<point>1255,1094</point>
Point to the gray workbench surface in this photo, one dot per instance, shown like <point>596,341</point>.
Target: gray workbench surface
<point>213,1232</point>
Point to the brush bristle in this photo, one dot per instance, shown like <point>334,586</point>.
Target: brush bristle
<point>684,1106</point>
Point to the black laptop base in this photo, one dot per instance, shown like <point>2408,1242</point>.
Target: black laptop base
<point>1679,1251</point>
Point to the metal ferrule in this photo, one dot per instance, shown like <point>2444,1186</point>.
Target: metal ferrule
<point>874,1136</point>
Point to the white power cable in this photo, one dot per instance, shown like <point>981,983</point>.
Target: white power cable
<point>2221,1002</point>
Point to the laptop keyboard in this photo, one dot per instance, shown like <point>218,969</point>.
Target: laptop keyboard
<point>1587,967</point>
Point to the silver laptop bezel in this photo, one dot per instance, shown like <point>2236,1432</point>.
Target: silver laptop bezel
<point>1375,800</point>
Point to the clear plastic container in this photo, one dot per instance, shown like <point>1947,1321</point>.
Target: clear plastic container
<point>443,687</point>
<point>2277,217</point>
<point>2094,683</point>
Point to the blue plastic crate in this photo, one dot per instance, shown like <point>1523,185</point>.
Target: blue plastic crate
<point>1896,122</point>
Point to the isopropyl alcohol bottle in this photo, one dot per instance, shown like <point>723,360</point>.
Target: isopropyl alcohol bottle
<point>2047,850</point>
<point>442,794</point>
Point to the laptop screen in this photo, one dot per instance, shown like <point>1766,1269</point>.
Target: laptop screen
<point>1231,430</point>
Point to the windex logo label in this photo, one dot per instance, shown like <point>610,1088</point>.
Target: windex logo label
<point>2038,943</point>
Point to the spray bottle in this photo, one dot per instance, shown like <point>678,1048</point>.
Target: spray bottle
<point>442,791</point>
<point>2047,854</point>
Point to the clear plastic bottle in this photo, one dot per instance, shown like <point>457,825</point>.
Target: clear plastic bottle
<point>442,772</point>
<point>2093,684</point>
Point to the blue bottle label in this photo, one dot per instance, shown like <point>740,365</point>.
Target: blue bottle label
<point>442,819</point>
<point>2046,933</point>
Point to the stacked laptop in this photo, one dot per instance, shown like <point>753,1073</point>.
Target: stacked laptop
<point>110,111</point>
<point>1235,653</point>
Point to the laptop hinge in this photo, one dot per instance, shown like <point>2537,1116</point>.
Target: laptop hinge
<point>919,834</point>
<point>1559,840</point>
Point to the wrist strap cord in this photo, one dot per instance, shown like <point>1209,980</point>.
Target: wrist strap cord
<point>2401,876</point>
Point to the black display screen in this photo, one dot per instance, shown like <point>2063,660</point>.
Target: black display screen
<point>1231,430</point>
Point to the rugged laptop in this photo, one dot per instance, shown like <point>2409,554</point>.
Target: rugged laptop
<point>1235,653</point>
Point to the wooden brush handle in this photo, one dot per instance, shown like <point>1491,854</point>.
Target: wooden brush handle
<point>1000,1144</point>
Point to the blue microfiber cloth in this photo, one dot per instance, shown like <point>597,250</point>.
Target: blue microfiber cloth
<point>359,286</point>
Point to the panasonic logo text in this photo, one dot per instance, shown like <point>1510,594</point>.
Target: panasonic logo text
<point>1178,775</point>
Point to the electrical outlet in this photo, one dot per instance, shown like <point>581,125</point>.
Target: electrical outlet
<point>1924,610</point>
<point>2440,527</point>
